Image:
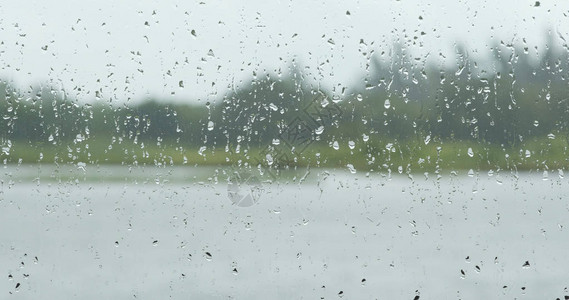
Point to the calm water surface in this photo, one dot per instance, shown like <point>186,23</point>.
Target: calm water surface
<point>119,233</point>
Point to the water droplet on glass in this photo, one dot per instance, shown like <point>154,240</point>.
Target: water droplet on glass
<point>319,130</point>
<point>499,179</point>
<point>335,145</point>
<point>470,152</point>
<point>526,265</point>
<point>201,150</point>
<point>351,168</point>
<point>351,144</point>
<point>387,104</point>
<point>359,97</point>
<point>269,159</point>
<point>210,125</point>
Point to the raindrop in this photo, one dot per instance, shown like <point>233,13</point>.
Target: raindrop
<point>470,152</point>
<point>201,150</point>
<point>526,264</point>
<point>359,97</point>
<point>387,104</point>
<point>210,125</point>
<point>319,130</point>
<point>351,144</point>
<point>351,168</point>
<point>335,145</point>
<point>208,256</point>
<point>499,179</point>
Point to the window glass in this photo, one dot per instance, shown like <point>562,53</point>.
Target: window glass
<point>284,150</point>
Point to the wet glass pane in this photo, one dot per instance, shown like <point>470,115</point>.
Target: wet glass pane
<point>286,150</point>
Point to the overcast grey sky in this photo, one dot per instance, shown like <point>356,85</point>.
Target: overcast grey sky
<point>137,49</point>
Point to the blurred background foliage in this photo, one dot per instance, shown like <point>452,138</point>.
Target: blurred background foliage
<point>406,114</point>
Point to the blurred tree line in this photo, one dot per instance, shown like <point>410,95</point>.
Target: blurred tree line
<point>400,98</point>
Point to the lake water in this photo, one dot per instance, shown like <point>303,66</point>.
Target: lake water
<point>115,233</point>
